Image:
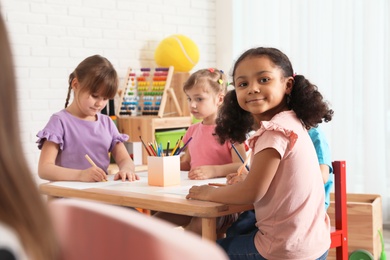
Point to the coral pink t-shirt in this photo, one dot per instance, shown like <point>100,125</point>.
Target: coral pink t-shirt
<point>204,147</point>
<point>291,217</point>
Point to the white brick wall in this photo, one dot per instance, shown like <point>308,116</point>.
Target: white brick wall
<point>50,37</point>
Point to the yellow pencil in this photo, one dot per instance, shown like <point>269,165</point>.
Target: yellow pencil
<point>176,146</point>
<point>91,162</point>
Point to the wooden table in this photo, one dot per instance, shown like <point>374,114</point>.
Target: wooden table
<point>139,194</point>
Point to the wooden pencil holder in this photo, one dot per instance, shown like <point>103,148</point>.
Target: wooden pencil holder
<point>164,171</point>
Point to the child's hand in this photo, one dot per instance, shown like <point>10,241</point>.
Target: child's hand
<point>202,173</point>
<point>199,192</point>
<point>93,174</point>
<point>126,174</point>
<point>234,177</point>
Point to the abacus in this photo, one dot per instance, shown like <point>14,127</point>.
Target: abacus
<point>151,100</point>
<point>145,92</point>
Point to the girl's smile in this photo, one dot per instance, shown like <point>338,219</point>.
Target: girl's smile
<point>255,100</point>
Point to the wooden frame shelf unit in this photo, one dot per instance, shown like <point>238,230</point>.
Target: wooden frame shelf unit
<point>152,99</point>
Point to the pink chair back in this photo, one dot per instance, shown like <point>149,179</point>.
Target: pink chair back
<point>91,230</point>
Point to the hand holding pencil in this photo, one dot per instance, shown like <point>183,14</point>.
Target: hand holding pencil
<point>244,165</point>
<point>239,155</point>
<point>241,173</point>
<point>233,178</point>
<point>97,174</point>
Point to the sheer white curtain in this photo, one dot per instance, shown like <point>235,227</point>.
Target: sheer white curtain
<point>342,47</point>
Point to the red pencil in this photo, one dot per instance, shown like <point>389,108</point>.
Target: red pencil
<point>146,148</point>
<point>152,149</point>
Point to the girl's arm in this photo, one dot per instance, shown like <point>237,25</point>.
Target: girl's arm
<point>48,170</point>
<point>215,171</point>
<point>252,189</point>
<point>185,160</point>
<point>124,162</point>
<point>325,172</point>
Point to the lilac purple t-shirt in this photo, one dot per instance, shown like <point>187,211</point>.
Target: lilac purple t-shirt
<point>77,137</point>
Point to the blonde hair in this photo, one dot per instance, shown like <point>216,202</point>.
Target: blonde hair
<point>21,206</point>
<point>215,78</point>
<point>95,75</point>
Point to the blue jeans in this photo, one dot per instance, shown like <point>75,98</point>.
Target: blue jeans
<point>243,247</point>
<point>245,224</point>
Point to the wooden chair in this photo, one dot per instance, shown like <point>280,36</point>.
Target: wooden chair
<point>91,230</point>
<point>339,234</point>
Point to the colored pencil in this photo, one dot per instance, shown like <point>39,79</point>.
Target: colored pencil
<point>217,184</point>
<point>146,148</point>
<point>245,163</point>
<point>152,149</point>
<point>239,156</point>
<point>184,146</point>
<point>91,162</point>
<point>167,151</point>
<point>161,152</point>
<point>176,146</point>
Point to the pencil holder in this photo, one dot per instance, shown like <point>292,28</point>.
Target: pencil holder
<point>164,171</point>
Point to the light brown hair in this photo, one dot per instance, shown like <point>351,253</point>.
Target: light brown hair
<point>215,78</point>
<point>21,206</point>
<point>95,75</point>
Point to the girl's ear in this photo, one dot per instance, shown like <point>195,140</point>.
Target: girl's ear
<point>289,85</point>
<point>220,98</point>
<point>75,84</point>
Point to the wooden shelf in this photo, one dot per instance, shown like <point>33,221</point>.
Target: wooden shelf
<point>146,126</point>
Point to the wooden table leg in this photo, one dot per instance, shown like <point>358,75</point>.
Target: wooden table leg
<point>209,228</point>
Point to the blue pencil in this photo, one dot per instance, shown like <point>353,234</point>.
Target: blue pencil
<point>239,156</point>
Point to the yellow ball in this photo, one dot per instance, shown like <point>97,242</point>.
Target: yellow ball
<point>178,51</point>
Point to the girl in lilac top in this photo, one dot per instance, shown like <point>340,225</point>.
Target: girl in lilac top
<point>284,182</point>
<point>80,129</point>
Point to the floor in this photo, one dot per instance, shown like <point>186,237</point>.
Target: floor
<point>386,237</point>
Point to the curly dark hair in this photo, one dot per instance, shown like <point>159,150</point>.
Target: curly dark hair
<point>234,123</point>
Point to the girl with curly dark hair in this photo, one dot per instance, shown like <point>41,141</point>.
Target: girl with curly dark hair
<point>284,183</point>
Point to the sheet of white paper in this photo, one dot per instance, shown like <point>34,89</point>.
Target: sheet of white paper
<point>78,185</point>
<point>140,186</point>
